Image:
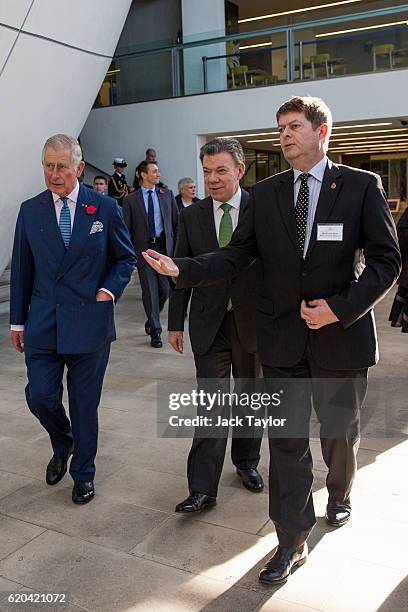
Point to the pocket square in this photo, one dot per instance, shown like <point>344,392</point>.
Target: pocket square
<point>97,226</point>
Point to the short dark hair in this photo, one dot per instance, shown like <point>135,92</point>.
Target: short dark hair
<point>144,167</point>
<point>99,177</point>
<point>224,145</point>
<point>314,109</point>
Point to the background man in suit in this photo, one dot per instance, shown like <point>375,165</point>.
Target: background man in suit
<point>222,320</point>
<point>309,225</point>
<point>72,258</point>
<point>151,215</point>
<point>100,184</point>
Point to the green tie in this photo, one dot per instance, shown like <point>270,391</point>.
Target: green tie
<point>225,233</point>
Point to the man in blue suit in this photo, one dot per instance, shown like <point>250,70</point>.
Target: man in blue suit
<point>72,259</point>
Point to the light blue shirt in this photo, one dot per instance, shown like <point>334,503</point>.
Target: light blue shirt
<point>314,183</point>
<point>158,221</point>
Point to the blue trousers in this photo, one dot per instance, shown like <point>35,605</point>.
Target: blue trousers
<point>85,374</point>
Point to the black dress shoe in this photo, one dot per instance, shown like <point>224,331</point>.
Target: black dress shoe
<point>196,502</point>
<point>147,328</point>
<point>279,567</point>
<point>337,514</point>
<point>56,469</point>
<point>83,492</point>
<point>156,342</point>
<point>251,479</point>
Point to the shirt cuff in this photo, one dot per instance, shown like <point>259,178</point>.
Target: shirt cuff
<point>108,292</point>
<point>16,327</point>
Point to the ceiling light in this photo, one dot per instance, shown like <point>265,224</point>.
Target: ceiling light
<point>246,135</point>
<point>358,152</point>
<point>265,140</point>
<point>366,139</point>
<point>301,10</point>
<point>373,27</point>
<point>344,127</point>
<point>253,46</point>
<point>375,131</point>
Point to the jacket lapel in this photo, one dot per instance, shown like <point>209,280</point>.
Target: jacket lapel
<point>164,209</point>
<point>286,203</point>
<point>330,189</point>
<point>81,228</point>
<point>141,206</point>
<point>207,225</point>
<point>49,227</point>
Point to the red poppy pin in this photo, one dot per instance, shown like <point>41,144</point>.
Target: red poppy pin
<point>161,191</point>
<point>333,186</point>
<point>90,210</point>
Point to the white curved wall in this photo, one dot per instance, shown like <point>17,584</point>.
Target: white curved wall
<point>47,86</point>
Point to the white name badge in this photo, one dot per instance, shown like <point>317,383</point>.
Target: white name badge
<point>328,231</point>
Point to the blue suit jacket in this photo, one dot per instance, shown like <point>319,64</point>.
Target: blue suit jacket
<point>53,289</point>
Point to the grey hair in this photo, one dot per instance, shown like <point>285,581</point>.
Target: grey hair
<point>224,145</point>
<point>64,141</point>
<point>184,181</point>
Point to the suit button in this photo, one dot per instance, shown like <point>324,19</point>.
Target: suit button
<point>304,273</point>
<point>58,305</point>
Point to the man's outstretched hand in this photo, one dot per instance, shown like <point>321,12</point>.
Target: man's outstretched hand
<point>161,263</point>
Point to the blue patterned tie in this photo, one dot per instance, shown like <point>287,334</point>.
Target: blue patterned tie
<point>150,214</point>
<point>65,223</point>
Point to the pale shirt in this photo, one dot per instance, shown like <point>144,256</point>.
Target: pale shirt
<point>158,221</point>
<point>235,202</point>
<point>314,183</point>
<point>58,204</point>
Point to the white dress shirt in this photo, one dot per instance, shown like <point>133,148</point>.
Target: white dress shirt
<point>314,183</point>
<point>235,202</point>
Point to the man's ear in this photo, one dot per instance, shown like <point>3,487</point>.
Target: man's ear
<point>324,130</point>
<point>80,168</point>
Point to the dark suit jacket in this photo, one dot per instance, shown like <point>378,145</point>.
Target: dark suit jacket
<point>197,235</point>
<point>352,197</point>
<point>135,216</point>
<point>53,289</point>
<point>180,203</point>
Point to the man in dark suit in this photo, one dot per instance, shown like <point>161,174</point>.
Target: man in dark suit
<point>221,323</point>
<point>310,225</point>
<point>151,216</point>
<point>72,259</point>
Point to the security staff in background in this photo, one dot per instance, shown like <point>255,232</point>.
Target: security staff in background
<point>117,185</point>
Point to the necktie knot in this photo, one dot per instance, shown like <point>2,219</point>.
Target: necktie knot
<point>303,177</point>
<point>65,202</point>
<point>226,207</point>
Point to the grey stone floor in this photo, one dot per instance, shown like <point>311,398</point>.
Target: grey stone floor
<point>127,550</point>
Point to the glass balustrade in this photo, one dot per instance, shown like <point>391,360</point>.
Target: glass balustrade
<point>331,48</point>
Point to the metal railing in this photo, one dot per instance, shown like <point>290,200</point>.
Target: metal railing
<point>178,66</point>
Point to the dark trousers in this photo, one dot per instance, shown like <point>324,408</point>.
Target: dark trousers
<point>214,369</point>
<point>155,291</point>
<point>337,402</point>
<point>85,374</point>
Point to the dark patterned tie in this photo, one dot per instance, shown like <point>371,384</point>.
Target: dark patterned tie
<point>301,210</point>
<point>150,214</point>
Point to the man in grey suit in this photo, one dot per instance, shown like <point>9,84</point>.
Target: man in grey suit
<point>151,214</point>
